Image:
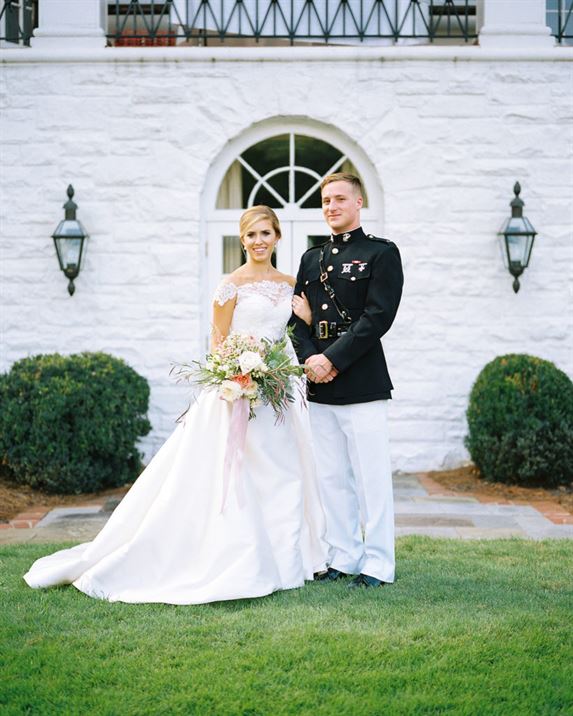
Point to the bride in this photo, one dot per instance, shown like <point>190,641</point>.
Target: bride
<point>168,540</point>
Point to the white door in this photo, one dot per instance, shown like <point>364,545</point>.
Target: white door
<point>305,235</point>
<point>281,167</point>
<point>224,249</point>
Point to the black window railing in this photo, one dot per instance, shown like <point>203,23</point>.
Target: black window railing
<point>18,19</point>
<point>202,22</point>
<point>275,22</point>
<point>560,20</point>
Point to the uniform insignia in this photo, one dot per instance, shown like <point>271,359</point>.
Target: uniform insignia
<point>360,265</point>
<point>346,237</point>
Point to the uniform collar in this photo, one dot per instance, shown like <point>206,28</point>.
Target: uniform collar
<point>347,236</point>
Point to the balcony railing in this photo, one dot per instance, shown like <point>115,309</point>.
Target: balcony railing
<point>276,22</point>
<point>560,20</point>
<point>18,19</point>
<point>202,22</point>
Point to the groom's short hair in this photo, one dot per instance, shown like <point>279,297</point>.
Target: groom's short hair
<point>347,177</point>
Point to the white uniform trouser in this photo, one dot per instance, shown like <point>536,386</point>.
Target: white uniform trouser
<point>352,455</point>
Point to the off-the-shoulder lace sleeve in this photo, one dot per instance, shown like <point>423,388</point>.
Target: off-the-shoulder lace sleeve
<point>225,292</point>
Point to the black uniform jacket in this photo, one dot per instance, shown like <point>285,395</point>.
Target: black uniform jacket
<point>366,275</point>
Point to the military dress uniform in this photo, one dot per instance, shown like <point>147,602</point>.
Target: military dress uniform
<point>353,283</point>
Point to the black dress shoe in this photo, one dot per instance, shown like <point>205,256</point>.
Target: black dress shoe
<point>330,574</point>
<point>365,580</point>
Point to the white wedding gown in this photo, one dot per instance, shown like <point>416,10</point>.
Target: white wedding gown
<point>168,540</point>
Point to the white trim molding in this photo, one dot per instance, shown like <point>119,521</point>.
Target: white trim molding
<point>160,55</point>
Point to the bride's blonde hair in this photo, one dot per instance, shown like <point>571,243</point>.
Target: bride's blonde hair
<point>255,214</point>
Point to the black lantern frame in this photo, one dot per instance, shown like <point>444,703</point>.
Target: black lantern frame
<point>518,237</point>
<point>69,238</point>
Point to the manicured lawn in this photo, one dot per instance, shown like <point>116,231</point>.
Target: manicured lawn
<point>468,628</point>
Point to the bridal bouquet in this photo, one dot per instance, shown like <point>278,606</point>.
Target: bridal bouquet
<point>242,366</point>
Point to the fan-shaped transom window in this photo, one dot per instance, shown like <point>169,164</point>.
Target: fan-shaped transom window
<point>281,163</point>
<point>283,171</point>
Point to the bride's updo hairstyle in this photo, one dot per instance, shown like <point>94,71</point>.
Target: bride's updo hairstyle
<point>255,214</point>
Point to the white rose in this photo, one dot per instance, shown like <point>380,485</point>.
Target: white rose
<point>249,360</point>
<point>230,391</point>
<point>251,391</point>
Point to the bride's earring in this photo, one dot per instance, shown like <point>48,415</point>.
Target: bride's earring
<point>244,250</point>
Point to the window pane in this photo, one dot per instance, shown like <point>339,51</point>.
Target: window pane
<point>303,183</point>
<point>265,197</point>
<point>279,183</point>
<point>231,190</point>
<point>270,154</point>
<point>314,154</point>
<point>316,240</point>
<point>232,255</point>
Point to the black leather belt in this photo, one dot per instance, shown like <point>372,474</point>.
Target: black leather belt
<point>330,329</point>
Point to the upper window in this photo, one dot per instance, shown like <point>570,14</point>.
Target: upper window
<point>283,170</point>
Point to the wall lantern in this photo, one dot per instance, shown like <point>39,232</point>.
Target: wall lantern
<point>69,241</point>
<point>518,235</point>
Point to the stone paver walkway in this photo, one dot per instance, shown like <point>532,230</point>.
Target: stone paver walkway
<point>423,507</point>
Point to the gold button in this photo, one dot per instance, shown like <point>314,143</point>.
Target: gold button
<point>324,306</point>
<point>353,278</point>
<point>335,250</point>
<point>330,268</point>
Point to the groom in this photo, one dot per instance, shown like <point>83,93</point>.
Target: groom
<point>353,284</point>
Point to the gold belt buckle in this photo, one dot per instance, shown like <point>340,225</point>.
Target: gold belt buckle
<point>323,329</point>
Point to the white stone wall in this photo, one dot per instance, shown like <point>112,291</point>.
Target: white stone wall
<point>136,139</point>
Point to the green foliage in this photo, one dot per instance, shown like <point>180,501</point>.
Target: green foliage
<point>69,423</point>
<point>520,419</point>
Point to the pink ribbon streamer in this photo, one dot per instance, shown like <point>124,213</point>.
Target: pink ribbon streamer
<point>235,451</point>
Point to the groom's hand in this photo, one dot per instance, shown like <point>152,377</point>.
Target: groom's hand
<point>320,369</point>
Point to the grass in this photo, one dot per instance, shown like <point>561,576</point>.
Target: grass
<point>468,628</point>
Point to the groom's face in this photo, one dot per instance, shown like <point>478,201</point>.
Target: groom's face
<point>341,206</point>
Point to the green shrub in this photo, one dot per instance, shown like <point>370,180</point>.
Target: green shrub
<point>520,419</point>
<point>69,423</point>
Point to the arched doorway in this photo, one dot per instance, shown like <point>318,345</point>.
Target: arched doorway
<point>280,163</point>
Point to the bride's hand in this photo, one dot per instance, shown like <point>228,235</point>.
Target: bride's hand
<point>301,308</point>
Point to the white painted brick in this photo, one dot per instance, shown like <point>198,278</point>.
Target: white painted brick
<point>448,141</point>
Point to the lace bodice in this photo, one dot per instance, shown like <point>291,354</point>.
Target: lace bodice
<point>263,308</point>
